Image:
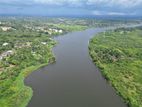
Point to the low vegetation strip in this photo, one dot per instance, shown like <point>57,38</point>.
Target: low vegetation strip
<point>118,54</point>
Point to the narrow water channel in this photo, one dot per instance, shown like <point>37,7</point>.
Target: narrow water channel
<point>73,81</point>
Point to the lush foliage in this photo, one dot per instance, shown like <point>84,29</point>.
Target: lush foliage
<point>118,54</point>
<point>30,50</point>
<point>25,45</point>
<point>13,93</point>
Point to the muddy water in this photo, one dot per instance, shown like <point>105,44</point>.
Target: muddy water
<point>73,81</point>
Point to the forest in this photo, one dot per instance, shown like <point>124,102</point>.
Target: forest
<point>118,54</point>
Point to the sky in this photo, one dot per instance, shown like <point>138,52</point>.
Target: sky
<point>72,7</point>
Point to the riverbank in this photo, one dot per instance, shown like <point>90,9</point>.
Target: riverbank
<point>27,46</point>
<point>118,55</point>
<point>23,49</point>
<point>17,94</point>
<point>73,81</point>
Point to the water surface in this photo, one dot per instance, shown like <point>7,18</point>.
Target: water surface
<point>73,81</point>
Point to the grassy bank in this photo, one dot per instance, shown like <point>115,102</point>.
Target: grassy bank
<point>24,48</point>
<point>118,54</point>
<point>17,95</point>
<point>14,93</point>
<point>14,69</point>
<point>22,94</point>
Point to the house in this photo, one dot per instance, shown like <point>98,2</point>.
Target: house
<point>5,44</point>
<point>44,43</point>
<point>1,57</point>
<point>6,28</point>
<point>6,54</point>
<point>60,31</point>
<point>56,30</point>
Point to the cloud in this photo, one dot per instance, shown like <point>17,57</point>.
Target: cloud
<point>61,2</point>
<point>109,3</point>
<point>117,13</point>
<point>96,12</point>
<point>122,3</point>
<point>111,13</point>
<point>93,7</point>
<point>102,3</point>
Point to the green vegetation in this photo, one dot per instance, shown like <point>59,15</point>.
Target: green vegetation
<point>118,54</point>
<point>28,55</point>
<point>70,28</point>
<point>25,45</point>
